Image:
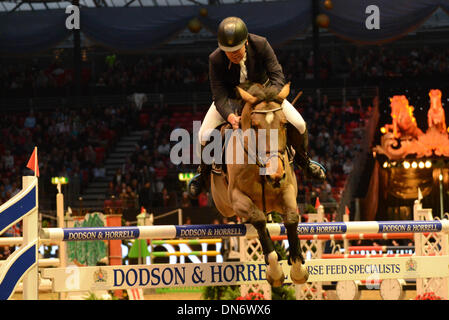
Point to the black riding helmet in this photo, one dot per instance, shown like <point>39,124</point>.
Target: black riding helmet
<point>232,34</point>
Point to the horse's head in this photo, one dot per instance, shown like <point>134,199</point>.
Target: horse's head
<point>263,113</point>
<point>435,99</point>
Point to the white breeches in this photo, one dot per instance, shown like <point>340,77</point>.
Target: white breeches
<point>213,119</point>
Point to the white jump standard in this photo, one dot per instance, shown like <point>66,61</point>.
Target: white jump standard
<point>23,263</point>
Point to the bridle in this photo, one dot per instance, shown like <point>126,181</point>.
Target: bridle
<point>260,163</point>
<point>278,154</point>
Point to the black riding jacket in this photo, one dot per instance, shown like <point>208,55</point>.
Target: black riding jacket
<point>224,76</point>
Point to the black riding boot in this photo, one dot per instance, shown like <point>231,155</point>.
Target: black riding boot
<point>300,142</point>
<point>201,180</point>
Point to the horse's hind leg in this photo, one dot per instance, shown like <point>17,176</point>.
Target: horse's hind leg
<point>245,208</point>
<point>298,272</point>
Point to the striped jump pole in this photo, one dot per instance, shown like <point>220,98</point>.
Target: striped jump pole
<point>379,248</point>
<point>189,242</point>
<point>355,236</point>
<point>240,230</point>
<point>185,254</point>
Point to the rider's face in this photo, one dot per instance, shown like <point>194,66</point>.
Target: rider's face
<point>236,56</point>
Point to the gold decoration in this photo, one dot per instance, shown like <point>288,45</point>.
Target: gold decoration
<point>194,25</point>
<point>322,20</point>
<point>203,12</point>
<point>328,4</point>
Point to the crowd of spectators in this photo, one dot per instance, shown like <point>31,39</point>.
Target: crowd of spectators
<point>174,72</point>
<point>74,142</point>
<point>71,143</point>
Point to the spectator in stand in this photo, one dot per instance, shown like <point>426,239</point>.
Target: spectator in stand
<point>203,199</point>
<point>129,203</point>
<point>99,172</point>
<point>169,198</point>
<point>30,121</point>
<point>164,148</point>
<point>111,192</point>
<point>347,166</point>
<point>8,160</point>
<point>118,177</point>
<point>185,201</point>
<point>146,196</point>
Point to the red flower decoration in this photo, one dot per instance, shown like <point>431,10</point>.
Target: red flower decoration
<point>252,296</point>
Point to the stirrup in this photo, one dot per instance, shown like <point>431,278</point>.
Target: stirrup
<point>314,170</point>
<point>217,169</point>
<point>319,165</point>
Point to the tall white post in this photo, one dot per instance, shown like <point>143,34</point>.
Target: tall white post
<point>30,234</point>
<point>180,216</point>
<point>62,244</point>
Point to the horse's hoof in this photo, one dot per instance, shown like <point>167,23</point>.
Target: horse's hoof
<point>275,275</point>
<point>299,273</point>
<point>275,282</point>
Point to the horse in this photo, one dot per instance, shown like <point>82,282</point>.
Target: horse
<point>435,116</point>
<point>404,124</point>
<point>244,192</point>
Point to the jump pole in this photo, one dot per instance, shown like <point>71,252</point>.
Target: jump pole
<point>239,230</point>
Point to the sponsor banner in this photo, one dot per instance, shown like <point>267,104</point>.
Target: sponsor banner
<point>210,231</point>
<point>108,233</point>
<point>409,226</point>
<point>322,228</point>
<point>237,273</point>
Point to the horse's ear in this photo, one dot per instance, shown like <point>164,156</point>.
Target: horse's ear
<point>246,96</point>
<point>284,91</point>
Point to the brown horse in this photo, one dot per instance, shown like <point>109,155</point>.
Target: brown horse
<point>245,192</point>
<point>435,116</point>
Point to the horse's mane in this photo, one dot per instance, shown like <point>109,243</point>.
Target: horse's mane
<point>262,93</point>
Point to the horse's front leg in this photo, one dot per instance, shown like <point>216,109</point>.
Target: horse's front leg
<point>245,207</point>
<point>298,272</point>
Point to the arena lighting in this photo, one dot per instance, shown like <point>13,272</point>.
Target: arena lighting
<point>414,165</point>
<point>421,165</point>
<point>406,164</point>
<point>59,180</point>
<point>185,176</point>
<point>428,164</point>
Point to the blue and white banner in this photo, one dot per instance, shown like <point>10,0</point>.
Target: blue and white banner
<point>75,278</point>
<point>410,226</point>
<point>100,233</point>
<point>15,267</point>
<point>210,231</point>
<point>16,208</point>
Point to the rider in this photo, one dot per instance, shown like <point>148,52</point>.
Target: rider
<point>241,57</point>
